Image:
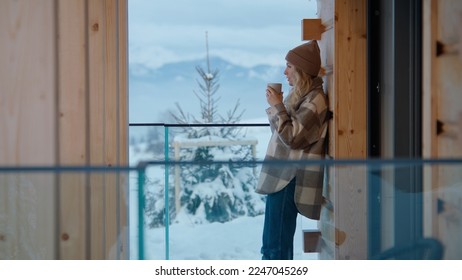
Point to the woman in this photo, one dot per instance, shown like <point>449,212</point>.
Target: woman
<point>299,127</point>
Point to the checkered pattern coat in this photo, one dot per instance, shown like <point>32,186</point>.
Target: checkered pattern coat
<point>298,135</point>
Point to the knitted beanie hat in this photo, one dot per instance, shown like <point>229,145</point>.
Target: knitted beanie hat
<point>306,57</point>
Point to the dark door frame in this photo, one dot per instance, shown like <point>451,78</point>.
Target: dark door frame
<point>404,27</point>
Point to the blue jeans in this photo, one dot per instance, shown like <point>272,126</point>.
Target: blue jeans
<point>280,223</point>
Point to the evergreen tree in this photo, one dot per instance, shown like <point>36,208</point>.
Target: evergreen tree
<point>213,192</point>
<point>208,100</point>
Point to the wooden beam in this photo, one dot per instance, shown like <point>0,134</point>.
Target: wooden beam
<point>311,239</point>
<point>312,29</point>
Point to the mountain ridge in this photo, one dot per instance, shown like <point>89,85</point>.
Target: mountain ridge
<point>154,92</point>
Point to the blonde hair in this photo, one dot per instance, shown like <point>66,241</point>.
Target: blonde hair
<point>302,85</point>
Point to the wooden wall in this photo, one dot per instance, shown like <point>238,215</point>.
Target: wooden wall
<point>343,48</point>
<point>344,219</point>
<point>442,121</point>
<point>63,101</point>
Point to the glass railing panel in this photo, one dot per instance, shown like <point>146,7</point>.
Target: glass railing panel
<point>154,233</point>
<point>220,218</point>
<point>215,220</point>
<point>64,213</point>
<point>444,194</point>
<point>195,143</point>
<point>373,208</point>
<point>146,143</point>
<point>26,223</point>
<point>405,209</point>
<point>410,209</point>
<point>379,204</point>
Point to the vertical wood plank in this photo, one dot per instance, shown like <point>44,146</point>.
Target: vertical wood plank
<point>350,105</point>
<point>123,132</point>
<point>111,124</point>
<point>27,96</point>
<point>350,76</point>
<point>343,49</point>
<point>72,128</point>
<point>96,42</point>
<point>326,11</point>
<point>327,46</point>
<point>448,73</point>
<point>108,123</point>
<point>429,114</point>
<point>27,127</point>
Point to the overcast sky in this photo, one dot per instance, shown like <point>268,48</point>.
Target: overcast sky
<point>244,32</point>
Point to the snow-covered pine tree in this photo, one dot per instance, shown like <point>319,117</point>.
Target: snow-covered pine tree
<point>213,192</point>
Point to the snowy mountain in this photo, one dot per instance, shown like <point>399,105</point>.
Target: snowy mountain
<point>155,91</point>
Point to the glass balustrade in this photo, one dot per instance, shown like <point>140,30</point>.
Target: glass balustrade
<point>204,178</point>
<point>391,203</point>
<point>67,212</point>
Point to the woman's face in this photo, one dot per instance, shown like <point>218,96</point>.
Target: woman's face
<point>290,73</point>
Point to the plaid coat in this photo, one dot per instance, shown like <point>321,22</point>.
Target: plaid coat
<point>299,135</point>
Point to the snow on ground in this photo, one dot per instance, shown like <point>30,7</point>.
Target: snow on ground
<point>239,239</point>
